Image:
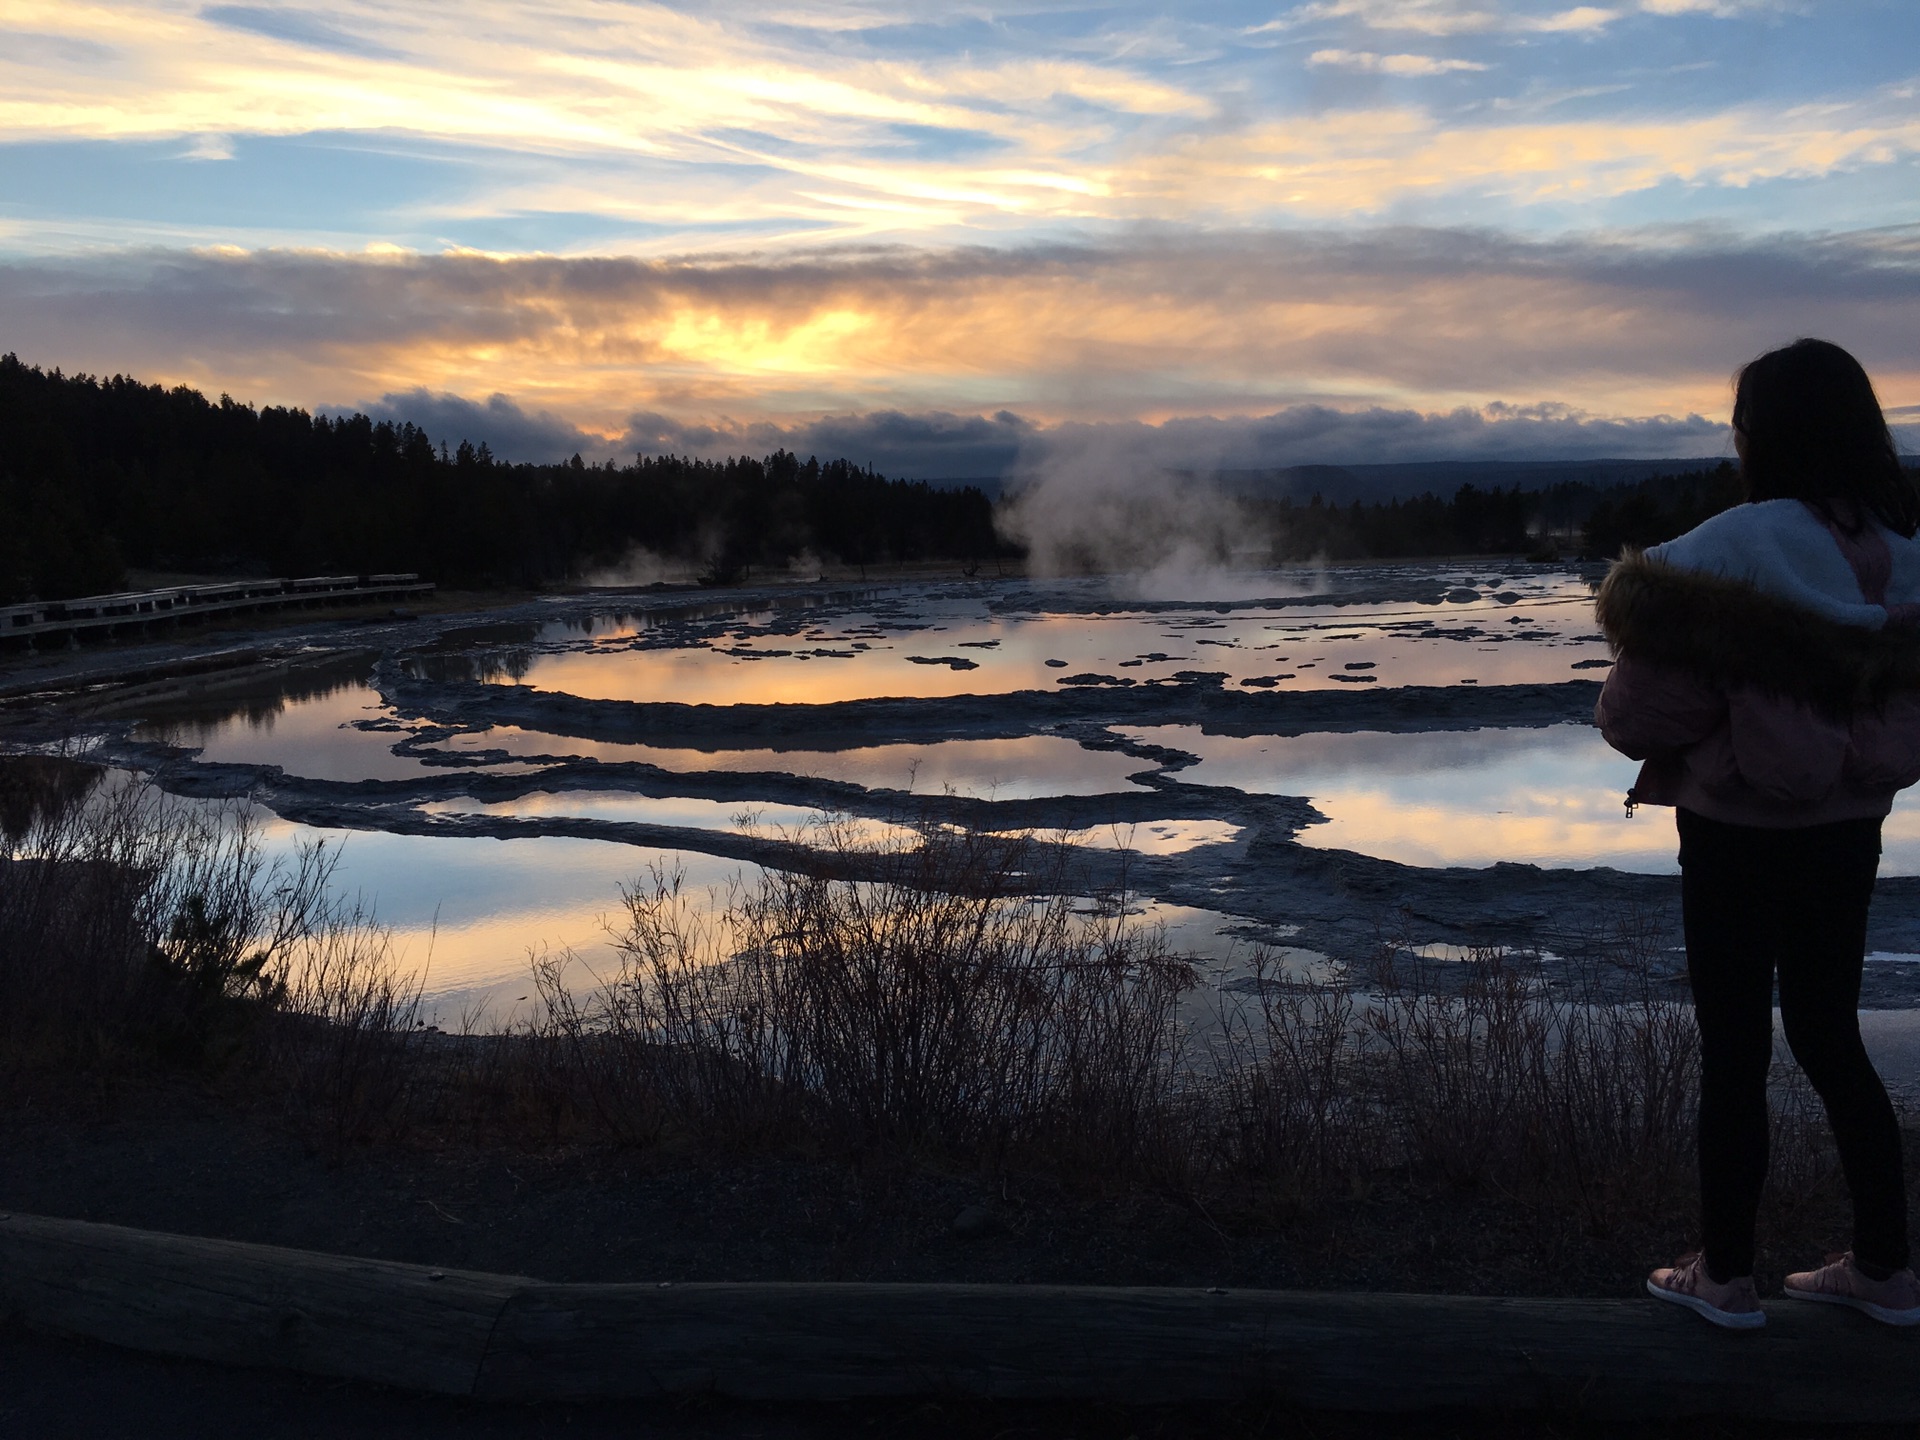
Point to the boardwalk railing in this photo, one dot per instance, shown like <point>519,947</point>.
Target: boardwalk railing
<point>180,602</point>
<point>509,1338</point>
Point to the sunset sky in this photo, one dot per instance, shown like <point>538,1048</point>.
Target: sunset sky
<point>941,237</point>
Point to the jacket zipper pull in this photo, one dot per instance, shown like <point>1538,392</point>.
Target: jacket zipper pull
<point>1632,801</point>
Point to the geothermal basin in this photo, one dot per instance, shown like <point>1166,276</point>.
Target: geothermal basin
<point>1321,763</point>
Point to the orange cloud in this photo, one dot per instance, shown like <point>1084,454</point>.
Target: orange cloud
<point>1229,325</point>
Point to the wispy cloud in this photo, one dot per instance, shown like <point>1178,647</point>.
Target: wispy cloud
<point>209,147</point>
<point>1367,161</point>
<point>1445,17</point>
<point>831,123</point>
<point>1369,62</point>
<point>294,26</point>
<point>1718,9</point>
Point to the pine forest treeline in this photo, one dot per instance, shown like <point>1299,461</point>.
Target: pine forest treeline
<point>1573,519</point>
<point>99,476</point>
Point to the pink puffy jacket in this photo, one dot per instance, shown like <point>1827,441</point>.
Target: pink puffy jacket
<point>1768,667</point>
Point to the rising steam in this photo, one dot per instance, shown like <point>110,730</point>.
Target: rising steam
<point>1096,505</point>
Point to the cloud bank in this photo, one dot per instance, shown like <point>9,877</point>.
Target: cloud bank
<point>948,446</point>
<point>509,430</point>
<point>929,348</point>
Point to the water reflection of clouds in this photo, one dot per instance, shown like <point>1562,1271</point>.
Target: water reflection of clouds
<point>1153,837</point>
<point>1034,765</point>
<point>1549,796</point>
<point>1539,637</point>
<point>800,823</point>
<point>313,736</point>
<point>467,909</point>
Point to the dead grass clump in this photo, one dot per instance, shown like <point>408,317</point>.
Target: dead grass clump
<point>137,927</point>
<point>957,998</point>
<point>129,920</point>
<point>1566,1091</point>
<point>1574,1097</point>
<point>344,1041</point>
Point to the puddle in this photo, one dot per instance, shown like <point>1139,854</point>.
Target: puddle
<point>1222,950</point>
<point>1548,796</point>
<point>313,736</point>
<point>1551,796</point>
<point>1031,767</point>
<point>801,823</point>
<point>468,909</point>
<point>1154,837</point>
<point>930,644</point>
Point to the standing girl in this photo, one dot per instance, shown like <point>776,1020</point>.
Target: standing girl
<point>1768,673</point>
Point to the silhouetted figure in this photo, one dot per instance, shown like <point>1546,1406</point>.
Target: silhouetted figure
<point>1769,676</point>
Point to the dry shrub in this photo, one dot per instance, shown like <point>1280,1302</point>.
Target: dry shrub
<point>1472,1074</point>
<point>131,920</point>
<point>345,1039</point>
<point>1567,1089</point>
<point>1574,1097</point>
<point>959,1000</point>
<point>1289,1110</point>
<point>956,998</point>
<point>138,927</point>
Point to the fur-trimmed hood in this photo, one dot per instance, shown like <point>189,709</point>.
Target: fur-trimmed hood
<point>1761,595</point>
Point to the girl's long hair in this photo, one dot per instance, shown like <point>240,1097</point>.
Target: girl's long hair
<point>1814,432</point>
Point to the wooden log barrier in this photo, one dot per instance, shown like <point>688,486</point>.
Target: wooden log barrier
<point>405,1325</point>
<point>508,1338</point>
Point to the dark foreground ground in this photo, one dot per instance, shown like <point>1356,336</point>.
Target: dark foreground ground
<point>54,1389</point>
<point>171,1155</point>
<point>178,1155</point>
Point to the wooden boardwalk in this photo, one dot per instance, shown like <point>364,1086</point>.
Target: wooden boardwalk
<point>511,1338</point>
<point>134,609</point>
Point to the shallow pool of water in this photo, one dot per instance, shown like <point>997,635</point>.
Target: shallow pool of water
<point>467,910</point>
<point>1025,768</point>
<point>1154,837</point>
<point>313,736</point>
<point>320,737</point>
<point>797,822</point>
<point>467,913</point>
<point>1550,796</point>
<point>936,643</point>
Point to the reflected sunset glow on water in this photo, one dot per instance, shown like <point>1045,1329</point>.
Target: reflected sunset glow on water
<point>960,648</point>
<point>1551,796</point>
<point>1018,769</point>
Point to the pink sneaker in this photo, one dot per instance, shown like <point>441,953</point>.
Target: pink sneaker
<point>1892,1301</point>
<point>1734,1305</point>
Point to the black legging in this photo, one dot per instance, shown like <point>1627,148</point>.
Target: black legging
<point>1755,900</point>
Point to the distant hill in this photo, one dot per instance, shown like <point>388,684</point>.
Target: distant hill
<point>1375,484</point>
<point>1371,484</point>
